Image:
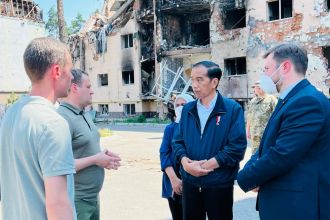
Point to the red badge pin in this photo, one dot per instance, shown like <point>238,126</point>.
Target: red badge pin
<point>218,119</point>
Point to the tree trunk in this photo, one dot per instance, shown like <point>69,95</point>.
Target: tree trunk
<point>61,22</point>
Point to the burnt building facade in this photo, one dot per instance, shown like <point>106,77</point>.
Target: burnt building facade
<point>149,46</point>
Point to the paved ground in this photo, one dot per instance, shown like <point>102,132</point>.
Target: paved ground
<point>134,191</point>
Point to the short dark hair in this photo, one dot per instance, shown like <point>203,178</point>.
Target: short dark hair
<point>77,76</point>
<point>40,54</point>
<point>296,54</point>
<point>213,69</point>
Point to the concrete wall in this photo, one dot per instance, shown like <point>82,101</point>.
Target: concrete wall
<point>18,34</point>
<point>309,27</point>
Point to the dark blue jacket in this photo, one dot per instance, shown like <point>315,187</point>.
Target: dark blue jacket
<point>167,159</point>
<point>292,166</point>
<point>223,138</point>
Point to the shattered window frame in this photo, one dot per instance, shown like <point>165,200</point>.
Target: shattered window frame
<point>233,68</point>
<point>128,77</point>
<point>281,13</point>
<point>103,79</point>
<point>127,41</point>
<point>103,109</point>
<point>129,109</point>
<point>238,23</point>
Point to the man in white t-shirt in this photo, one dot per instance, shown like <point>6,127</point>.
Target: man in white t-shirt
<point>37,165</point>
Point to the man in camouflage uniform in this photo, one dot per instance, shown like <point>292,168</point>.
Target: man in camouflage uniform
<point>259,111</point>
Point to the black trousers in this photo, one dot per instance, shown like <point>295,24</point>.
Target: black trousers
<point>176,207</point>
<point>216,203</point>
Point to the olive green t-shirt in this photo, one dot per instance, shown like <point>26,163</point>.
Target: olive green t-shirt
<point>85,143</point>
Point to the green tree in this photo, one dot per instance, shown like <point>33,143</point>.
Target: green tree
<point>52,23</point>
<point>76,24</point>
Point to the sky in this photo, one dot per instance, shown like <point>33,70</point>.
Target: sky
<point>71,8</point>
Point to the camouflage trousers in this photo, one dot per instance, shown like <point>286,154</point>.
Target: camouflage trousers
<point>255,143</point>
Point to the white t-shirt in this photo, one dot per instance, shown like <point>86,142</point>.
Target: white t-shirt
<point>35,142</point>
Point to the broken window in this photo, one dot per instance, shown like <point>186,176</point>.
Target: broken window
<point>129,109</point>
<point>185,29</point>
<point>147,76</point>
<point>103,79</point>
<point>146,35</point>
<point>279,9</point>
<point>200,33</point>
<point>328,5</point>
<point>235,18</point>
<point>235,66</point>
<point>326,54</point>
<point>103,109</point>
<point>127,40</point>
<point>128,77</point>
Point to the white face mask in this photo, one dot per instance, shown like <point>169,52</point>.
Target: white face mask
<point>178,111</point>
<point>267,84</point>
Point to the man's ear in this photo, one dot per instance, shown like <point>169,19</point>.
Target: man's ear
<point>287,66</point>
<point>215,82</point>
<point>56,71</point>
<point>74,87</point>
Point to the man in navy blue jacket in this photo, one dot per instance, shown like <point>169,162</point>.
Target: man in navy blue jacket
<point>291,169</point>
<point>209,144</point>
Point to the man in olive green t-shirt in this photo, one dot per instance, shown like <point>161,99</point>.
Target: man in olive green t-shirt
<point>90,161</point>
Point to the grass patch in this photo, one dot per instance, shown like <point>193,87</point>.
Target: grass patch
<point>105,132</point>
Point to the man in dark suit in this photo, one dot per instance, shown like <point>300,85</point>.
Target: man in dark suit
<point>291,169</point>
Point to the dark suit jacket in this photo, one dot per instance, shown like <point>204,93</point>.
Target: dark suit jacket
<point>292,165</point>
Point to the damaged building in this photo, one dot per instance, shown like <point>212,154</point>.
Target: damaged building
<point>116,49</point>
<point>17,18</point>
<point>139,52</point>
<point>239,42</point>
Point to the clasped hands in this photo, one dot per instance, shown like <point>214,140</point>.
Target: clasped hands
<point>199,168</point>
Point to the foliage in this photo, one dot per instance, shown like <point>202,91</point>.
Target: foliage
<point>143,119</point>
<point>12,98</point>
<point>157,120</point>
<point>76,25</point>
<point>52,24</point>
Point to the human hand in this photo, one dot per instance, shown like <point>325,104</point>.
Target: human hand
<point>194,167</point>
<point>210,164</point>
<point>107,160</point>
<point>176,185</point>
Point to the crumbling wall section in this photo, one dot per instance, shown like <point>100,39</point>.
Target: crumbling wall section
<point>308,27</point>
<point>24,9</point>
<point>12,73</point>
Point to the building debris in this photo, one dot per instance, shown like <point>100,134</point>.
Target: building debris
<point>24,9</point>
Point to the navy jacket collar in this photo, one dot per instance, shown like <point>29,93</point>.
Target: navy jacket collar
<point>302,84</point>
<point>218,108</point>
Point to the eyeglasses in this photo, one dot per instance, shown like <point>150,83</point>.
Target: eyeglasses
<point>182,104</point>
